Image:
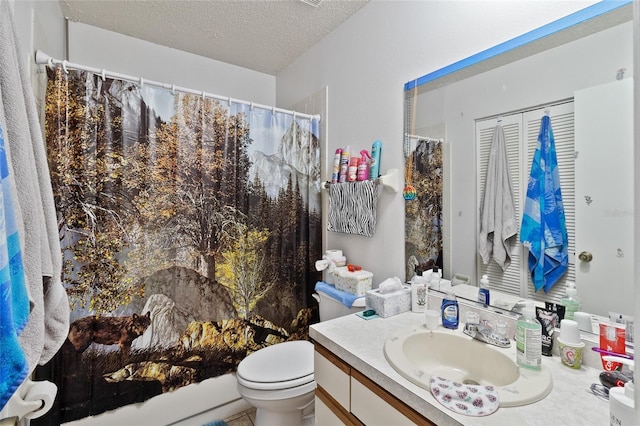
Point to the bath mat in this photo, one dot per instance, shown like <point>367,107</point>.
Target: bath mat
<point>470,400</point>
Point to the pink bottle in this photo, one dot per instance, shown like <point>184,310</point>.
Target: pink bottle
<point>363,165</point>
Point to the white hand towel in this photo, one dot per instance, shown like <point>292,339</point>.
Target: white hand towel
<point>498,225</point>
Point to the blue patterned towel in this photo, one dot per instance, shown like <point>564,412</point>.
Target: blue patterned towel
<point>14,298</point>
<point>543,229</point>
<point>342,296</point>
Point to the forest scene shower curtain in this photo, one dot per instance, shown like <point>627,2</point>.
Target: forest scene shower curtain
<point>423,215</point>
<point>189,228</point>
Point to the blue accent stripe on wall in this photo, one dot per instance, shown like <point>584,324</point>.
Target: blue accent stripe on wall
<point>568,21</point>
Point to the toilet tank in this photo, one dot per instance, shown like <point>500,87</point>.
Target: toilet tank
<point>331,308</point>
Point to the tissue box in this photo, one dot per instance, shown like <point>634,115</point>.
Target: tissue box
<point>389,304</point>
<point>356,283</point>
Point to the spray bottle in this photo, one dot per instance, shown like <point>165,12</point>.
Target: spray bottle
<point>374,170</point>
<point>344,164</point>
<point>363,165</point>
<point>336,166</point>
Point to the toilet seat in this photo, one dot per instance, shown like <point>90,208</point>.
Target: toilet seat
<point>280,366</point>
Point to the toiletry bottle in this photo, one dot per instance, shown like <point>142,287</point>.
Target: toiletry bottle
<point>570,300</point>
<point>344,164</point>
<point>621,399</point>
<point>352,173</point>
<point>363,165</point>
<point>450,311</point>
<point>336,166</point>
<point>435,279</point>
<point>418,294</point>
<point>529,339</point>
<point>483,292</point>
<point>374,169</point>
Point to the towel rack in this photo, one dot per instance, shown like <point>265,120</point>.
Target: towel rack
<point>390,181</point>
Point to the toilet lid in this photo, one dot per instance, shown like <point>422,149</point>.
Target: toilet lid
<point>282,362</point>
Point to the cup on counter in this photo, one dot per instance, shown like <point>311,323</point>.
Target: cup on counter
<point>431,319</point>
<point>570,345</point>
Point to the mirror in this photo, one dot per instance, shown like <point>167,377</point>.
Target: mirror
<point>515,82</point>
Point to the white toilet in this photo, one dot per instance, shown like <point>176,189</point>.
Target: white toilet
<point>278,380</point>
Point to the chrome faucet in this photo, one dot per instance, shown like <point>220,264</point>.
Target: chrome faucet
<point>484,332</point>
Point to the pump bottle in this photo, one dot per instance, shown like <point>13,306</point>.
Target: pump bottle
<point>529,339</point>
<point>570,300</point>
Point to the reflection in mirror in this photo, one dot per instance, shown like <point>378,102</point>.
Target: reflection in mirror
<point>586,86</point>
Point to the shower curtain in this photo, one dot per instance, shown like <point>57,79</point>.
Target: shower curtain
<point>423,215</point>
<point>189,227</point>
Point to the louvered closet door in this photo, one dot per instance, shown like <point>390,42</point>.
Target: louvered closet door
<point>509,281</point>
<point>521,135</point>
<point>562,123</point>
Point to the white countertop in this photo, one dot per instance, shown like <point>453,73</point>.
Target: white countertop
<point>360,343</point>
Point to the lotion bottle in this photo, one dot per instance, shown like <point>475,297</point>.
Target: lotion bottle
<point>418,294</point>
<point>529,339</point>
<point>621,400</point>
<point>483,292</point>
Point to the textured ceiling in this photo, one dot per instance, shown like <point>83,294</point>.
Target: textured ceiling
<point>262,35</point>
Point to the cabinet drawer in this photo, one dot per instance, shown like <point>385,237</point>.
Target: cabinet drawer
<point>332,375</point>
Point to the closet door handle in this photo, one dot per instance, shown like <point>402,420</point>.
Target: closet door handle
<point>585,256</point>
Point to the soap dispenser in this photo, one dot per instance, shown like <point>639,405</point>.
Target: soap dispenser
<point>570,300</point>
<point>621,400</point>
<point>483,292</point>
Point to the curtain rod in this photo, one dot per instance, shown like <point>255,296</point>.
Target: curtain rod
<point>42,58</point>
<point>424,138</point>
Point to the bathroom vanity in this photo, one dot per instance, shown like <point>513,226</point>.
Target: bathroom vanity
<point>356,384</point>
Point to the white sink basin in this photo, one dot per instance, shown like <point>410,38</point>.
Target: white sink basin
<point>417,353</point>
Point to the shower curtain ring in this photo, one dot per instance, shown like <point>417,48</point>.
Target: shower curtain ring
<point>50,62</point>
<point>251,106</point>
<point>203,95</point>
<point>64,67</point>
<point>141,82</point>
<point>173,89</point>
<point>103,75</point>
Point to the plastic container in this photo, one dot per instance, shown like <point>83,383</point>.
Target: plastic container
<point>450,311</point>
<point>621,400</point>
<point>344,164</point>
<point>335,175</point>
<point>529,339</point>
<point>570,300</point>
<point>483,292</point>
<point>363,165</point>
<point>374,169</point>
<point>434,282</point>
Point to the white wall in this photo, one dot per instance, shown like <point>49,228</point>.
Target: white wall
<point>100,48</point>
<point>365,63</point>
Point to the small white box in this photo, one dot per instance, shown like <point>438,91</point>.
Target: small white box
<point>389,304</point>
<point>356,283</point>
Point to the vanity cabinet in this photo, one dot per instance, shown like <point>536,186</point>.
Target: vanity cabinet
<point>344,396</point>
